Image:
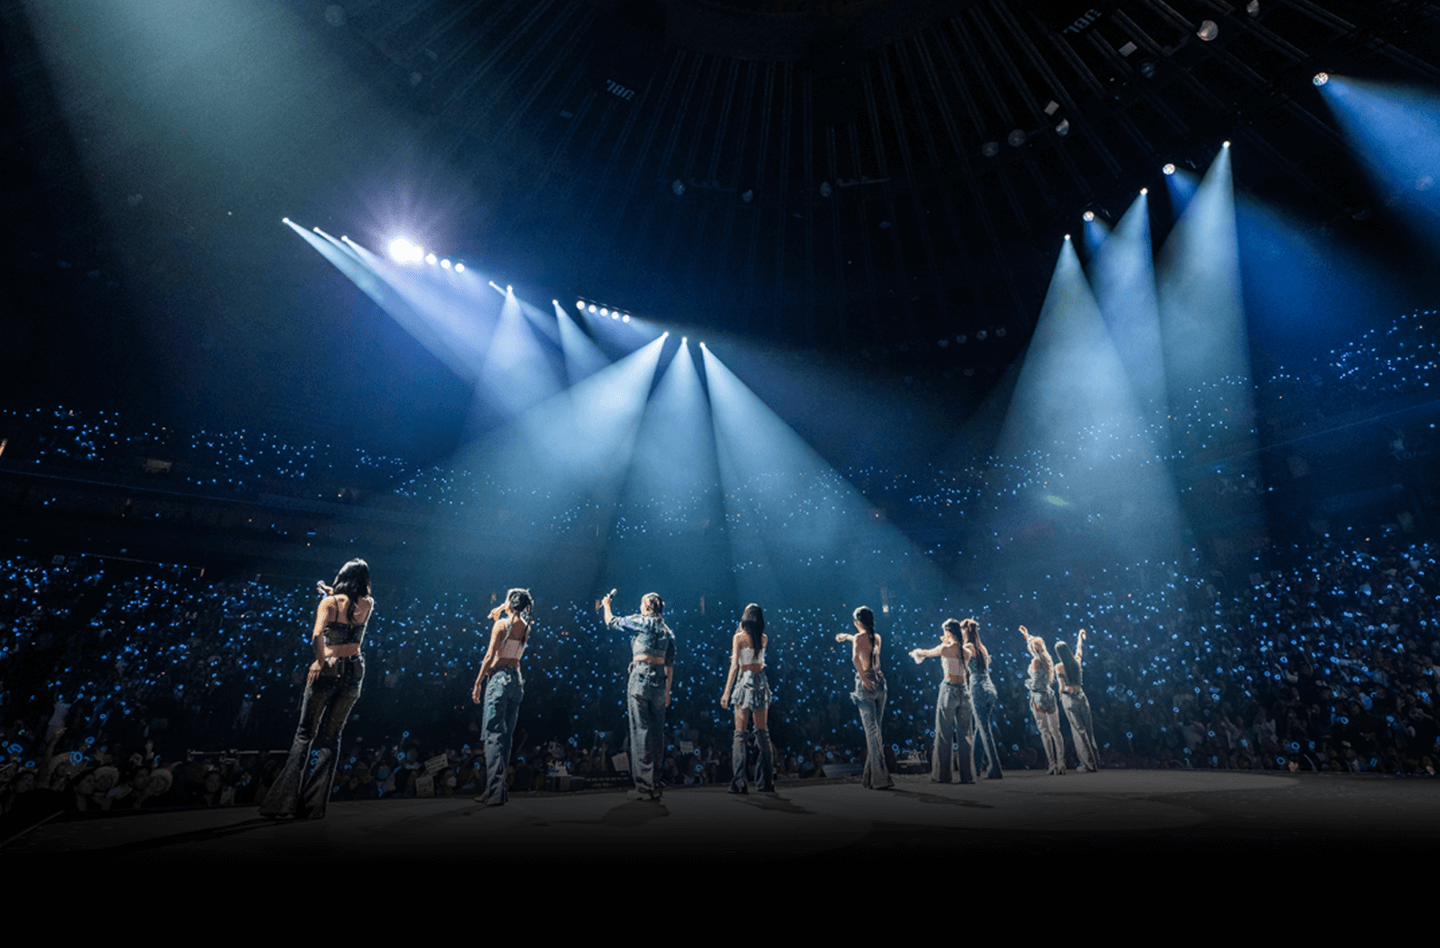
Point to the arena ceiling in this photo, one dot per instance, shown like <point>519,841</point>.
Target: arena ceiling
<point>860,173</point>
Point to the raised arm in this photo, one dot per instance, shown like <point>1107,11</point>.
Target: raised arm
<point>920,654</point>
<point>609,616</point>
<point>1080,647</point>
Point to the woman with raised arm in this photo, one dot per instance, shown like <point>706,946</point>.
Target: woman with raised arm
<point>331,689</point>
<point>982,694</point>
<point>953,710</point>
<point>1041,685</point>
<point>647,694</point>
<point>1077,706</point>
<point>869,695</point>
<point>751,695</point>
<point>509,635</point>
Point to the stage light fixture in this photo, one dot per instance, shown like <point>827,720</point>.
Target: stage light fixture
<point>1169,168</point>
<point>1321,78</point>
<point>430,258</point>
<point>580,305</point>
<point>1089,216</point>
<point>459,268</point>
<point>1016,138</point>
<point>1144,190</point>
<point>445,263</point>
<point>1225,144</point>
<point>1063,128</point>
<point>614,315</point>
<point>625,318</point>
<point>980,336</point>
<point>990,149</point>
<point>1253,7</point>
<point>604,311</point>
<point>1209,29</point>
<point>591,307</point>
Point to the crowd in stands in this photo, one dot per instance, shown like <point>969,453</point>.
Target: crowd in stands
<point>1327,664</point>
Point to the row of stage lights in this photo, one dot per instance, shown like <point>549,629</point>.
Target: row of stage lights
<point>597,310</point>
<point>403,251</point>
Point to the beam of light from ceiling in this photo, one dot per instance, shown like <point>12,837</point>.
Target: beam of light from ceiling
<point>1396,131</point>
<point>798,530</point>
<point>348,259</point>
<point>457,312</point>
<point>1122,273</point>
<point>1202,313</point>
<point>1074,424</point>
<point>515,372</point>
<point>559,468</point>
<point>1181,187</point>
<point>582,357</point>
<point>1204,334</point>
<point>673,488</point>
<point>1095,233</point>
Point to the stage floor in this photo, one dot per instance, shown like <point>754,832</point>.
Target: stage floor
<point>1023,815</point>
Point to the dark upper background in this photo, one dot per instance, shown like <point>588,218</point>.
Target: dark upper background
<point>817,176</point>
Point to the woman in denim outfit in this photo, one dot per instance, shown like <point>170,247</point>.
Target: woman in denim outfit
<point>982,693</point>
<point>331,689</point>
<point>752,698</point>
<point>652,668</point>
<point>506,689</point>
<point>1077,706</point>
<point>953,711</point>
<point>1041,685</point>
<point>869,695</point>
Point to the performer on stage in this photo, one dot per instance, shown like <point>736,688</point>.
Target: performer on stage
<point>1041,684</point>
<point>982,694</point>
<point>1077,706</point>
<point>506,689</point>
<point>331,689</point>
<point>652,668</point>
<point>869,695</point>
<point>752,698</point>
<point>954,713</point>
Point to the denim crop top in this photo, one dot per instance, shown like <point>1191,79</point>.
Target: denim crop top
<point>650,636</point>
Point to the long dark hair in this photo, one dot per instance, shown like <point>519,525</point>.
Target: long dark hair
<point>866,617</point>
<point>752,620</point>
<point>970,629</point>
<point>352,582</point>
<point>518,602</point>
<point>1068,662</point>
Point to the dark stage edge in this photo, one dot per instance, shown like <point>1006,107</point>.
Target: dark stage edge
<point>1021,816</point>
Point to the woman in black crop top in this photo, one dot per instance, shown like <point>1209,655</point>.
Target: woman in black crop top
<point>331,689</point>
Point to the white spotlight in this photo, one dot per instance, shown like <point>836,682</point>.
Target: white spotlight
<point>430,258</point>
<point>981,333</point>
<point>459,268</point>
<point>284,220</point>
<point>1226,144</point>
<point>1208,30</point>
<point>1089,216</point>
<point>1321,78</point>
<point>1253,7</point>
<point>604,311</point>
<point>580,305</point>
<point>445,264</point>
<point>1144,190</point>
<point>591,307</point>
<point>614,315</point>
<point>403,251</point>
<point>1169,168</point>
<point>625,318</point>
